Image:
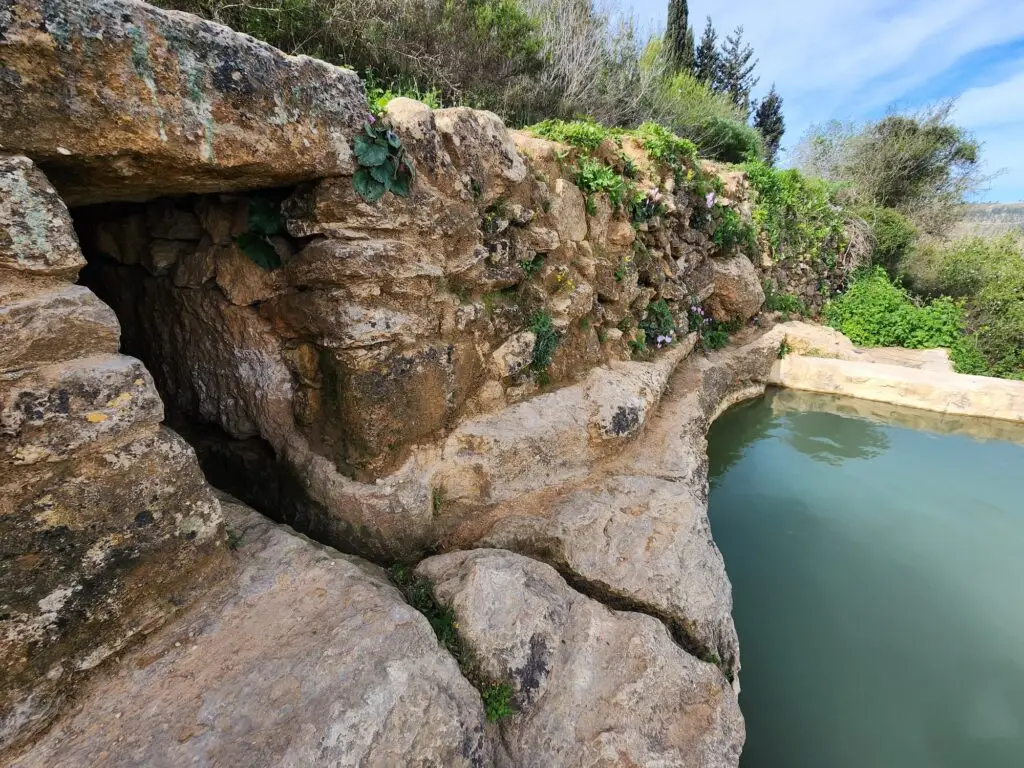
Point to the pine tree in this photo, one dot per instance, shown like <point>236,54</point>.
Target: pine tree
<point>736,73</point>
<point>679,36</point>
<point>706,61</point>
<point>768,120</point>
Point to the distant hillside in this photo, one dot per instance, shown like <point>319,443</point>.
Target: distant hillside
<point>992,219</point>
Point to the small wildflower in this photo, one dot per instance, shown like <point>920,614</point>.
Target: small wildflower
<point>709,198</point>
<point>371,119</point>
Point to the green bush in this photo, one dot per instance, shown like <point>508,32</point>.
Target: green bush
<point>595,177</point>
<point>893,237</point>
<point>875,312</point>
<point>797,213</point>
<point>658,325</point>
<point>582,134</point>
<point>731,231</point>
<point>710,120</point>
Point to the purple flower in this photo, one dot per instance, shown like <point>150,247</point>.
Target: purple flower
<point>709,198</point>
<point>371,119</point>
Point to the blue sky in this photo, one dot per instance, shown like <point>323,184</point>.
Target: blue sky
<point>853,60</point>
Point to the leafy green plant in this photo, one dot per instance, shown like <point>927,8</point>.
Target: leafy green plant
<point>666,148</point>
<point>731,231</point>
<point>658,325</point>
<point>582,134</point>
<point>595,177</point>
<point>716,338</point>
<point>799,215</point>
<point>775,301</point>
<point>893,237</point>
<point>547,340</point>
<point>784,349</point>
<point>876,312</point>
<point>532,265</point>
<point>384,164</point>
<point>264,221</point>
<point>637,347</point>
<point>497,698</point>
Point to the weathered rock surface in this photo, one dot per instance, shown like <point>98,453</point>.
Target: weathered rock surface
<point>106,522</point>
<point>301,656</point>
<point>737,294</point>
<point>593,686</point>
<point>36,235</point>
<point>118,100</point>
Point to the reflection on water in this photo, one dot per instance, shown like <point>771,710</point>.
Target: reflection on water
<point>877,575</point>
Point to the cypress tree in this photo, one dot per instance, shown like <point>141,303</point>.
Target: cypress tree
<point>679,36</point>
<point>768,120</point>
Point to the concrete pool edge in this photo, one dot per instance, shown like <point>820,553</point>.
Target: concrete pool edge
<point>929,390</point>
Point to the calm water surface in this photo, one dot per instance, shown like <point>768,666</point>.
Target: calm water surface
<point>878,580</point>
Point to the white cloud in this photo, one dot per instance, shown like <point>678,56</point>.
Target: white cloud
<point>993,106</point>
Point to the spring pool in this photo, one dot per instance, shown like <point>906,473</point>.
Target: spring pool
<point>878,583</point>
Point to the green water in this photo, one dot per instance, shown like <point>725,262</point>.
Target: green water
<point>878,580</point>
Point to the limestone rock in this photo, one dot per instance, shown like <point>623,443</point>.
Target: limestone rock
<point>737,294</point>
<point>52,411</point>
<point>481,147</point>
<point>119,100</point>
<point>302,656</point>
<point>47,322</point>
<point>593,686</point>
<point>568,211</point>
<point>243,281</point>
<point>36,233</point>
<point>514,355</point>
<point>640,542</point>
<point>108,545</point>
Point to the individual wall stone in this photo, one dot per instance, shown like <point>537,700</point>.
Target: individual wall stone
<point>592,686</point>
<point>301,656</point>
<point>737,293</point>
<point>45,321</point>
<point>36,235</point>
<point>119,100</point>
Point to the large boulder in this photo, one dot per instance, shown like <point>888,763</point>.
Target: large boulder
<point>302,656</point>
<point>592,686</point>
<point>118,100</point>
<point>737,294</point>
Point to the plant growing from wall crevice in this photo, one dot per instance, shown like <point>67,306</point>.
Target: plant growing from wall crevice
<point>384,164</point>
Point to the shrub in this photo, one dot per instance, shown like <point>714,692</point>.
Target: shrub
<point>989,275</point>
<point>893,237</point>
<point>710,120</point>
<point>595,177</point>
<point>782,302</point>
<point>875,312</point>
<point>920,163</point>
<point>731,231</point>
<point>582,134</point>
<point>798,214</point>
